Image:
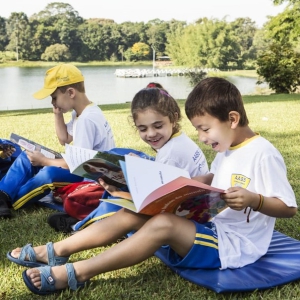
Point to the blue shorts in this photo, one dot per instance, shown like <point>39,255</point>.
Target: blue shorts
<point>204,254</point>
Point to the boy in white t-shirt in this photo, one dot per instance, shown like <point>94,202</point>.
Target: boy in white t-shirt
<point>248,166</point>
<point>257,191</point>
<point>33,175</point>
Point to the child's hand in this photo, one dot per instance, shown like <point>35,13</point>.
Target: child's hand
<point>132,154</point>
<point>56,110</point>
<point>36,158</point>
<point>239,198</point>
<point>7,152</point>
<point>114,191</point>
<point>109,188</point>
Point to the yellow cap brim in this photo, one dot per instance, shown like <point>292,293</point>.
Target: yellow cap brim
<point>43,93</point>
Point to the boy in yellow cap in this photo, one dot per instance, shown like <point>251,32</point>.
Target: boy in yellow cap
<point>33,175</point>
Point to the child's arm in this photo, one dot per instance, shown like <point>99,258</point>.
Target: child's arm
<point>60,127</point>
<point>36,158</point>
<point>207,179</point>
<point>238,198</point>
<point>114,191</point>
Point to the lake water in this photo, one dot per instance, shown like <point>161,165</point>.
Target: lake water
<point>102,86</point>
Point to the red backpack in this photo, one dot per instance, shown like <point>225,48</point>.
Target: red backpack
<point>79,199</point>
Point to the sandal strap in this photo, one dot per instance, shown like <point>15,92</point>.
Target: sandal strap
<point>28,251</point>
<point>52,259</point>
<point>47,281</point>
<point>72,282</point>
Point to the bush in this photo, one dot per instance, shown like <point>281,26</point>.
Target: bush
<point>56,52</point>
<point>279,66</point>
<point>195,75</point>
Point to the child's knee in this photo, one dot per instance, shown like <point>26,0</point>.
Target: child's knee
<point>164,221</point>
<point>47,173</point>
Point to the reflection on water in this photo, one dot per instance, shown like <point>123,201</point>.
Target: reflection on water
<point>246,85</point>
<point>102,86</point>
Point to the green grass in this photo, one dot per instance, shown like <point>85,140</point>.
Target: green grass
<point>276,117</point>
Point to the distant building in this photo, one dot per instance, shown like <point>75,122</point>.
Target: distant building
<point>163,61</point>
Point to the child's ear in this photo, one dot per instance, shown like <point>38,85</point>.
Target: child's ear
<point>234,118</point>
<point>71,92</point>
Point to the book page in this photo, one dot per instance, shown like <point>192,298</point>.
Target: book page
<point>96,168</point>
<point>128,204</point>
<point>145,176</point>
<point>75,156</point>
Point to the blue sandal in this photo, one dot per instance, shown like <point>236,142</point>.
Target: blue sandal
<point>48,282</point>
<point>28,251</point>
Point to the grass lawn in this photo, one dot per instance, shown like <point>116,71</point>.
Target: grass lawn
<point>276,117</point>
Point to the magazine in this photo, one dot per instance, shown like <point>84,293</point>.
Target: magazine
<point>33,146</point>
<point>156,188</point>
<point>95,164</point>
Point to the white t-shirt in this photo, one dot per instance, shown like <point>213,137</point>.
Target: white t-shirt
<point>259,167</point>
<point>180,151</point>
<point>91,130</point>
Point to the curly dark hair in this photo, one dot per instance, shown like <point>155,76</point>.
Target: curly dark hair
<point>158,100</point>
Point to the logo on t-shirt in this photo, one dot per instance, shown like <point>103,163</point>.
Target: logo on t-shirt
<point>240,180</point>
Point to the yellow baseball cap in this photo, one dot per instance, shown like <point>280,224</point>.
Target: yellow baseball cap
<point>61,75</point>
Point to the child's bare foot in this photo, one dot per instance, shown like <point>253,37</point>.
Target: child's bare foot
<point>58,273</point>
<point>33,257</point>
<point>40,253</point>
<point>47,280</point>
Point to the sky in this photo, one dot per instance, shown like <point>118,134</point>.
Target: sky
<point>143,11</point>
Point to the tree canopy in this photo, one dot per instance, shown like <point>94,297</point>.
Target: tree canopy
<point>59,33</point>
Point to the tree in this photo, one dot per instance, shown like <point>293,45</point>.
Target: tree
<point>280,67</point>
<point>57,24</point>
<point>97,41</point>
<point>140,51</point>
<point>18,30</point>
<point>57,52</point>
<point>285,26</point>
<point>244,31</point>
<point>3,34</point>
<point>277,2</point>
<point>207,43</point>
<point>156,34</point>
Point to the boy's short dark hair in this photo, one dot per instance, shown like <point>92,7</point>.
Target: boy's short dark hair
<point>79,86</point>
<point>216,97</point>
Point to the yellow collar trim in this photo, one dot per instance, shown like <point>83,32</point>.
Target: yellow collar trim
<point>175,135</point>
<point>245,142</point>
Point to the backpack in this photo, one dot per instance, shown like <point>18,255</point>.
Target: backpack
<point>81,200</point>
<point>7,162</point>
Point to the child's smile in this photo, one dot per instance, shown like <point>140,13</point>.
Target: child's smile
<point>213,132</point>
<point>154,128</point>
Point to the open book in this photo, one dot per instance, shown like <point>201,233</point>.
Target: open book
<point>157,188</point>
<point>33,146</point>
<point>95,164</point>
